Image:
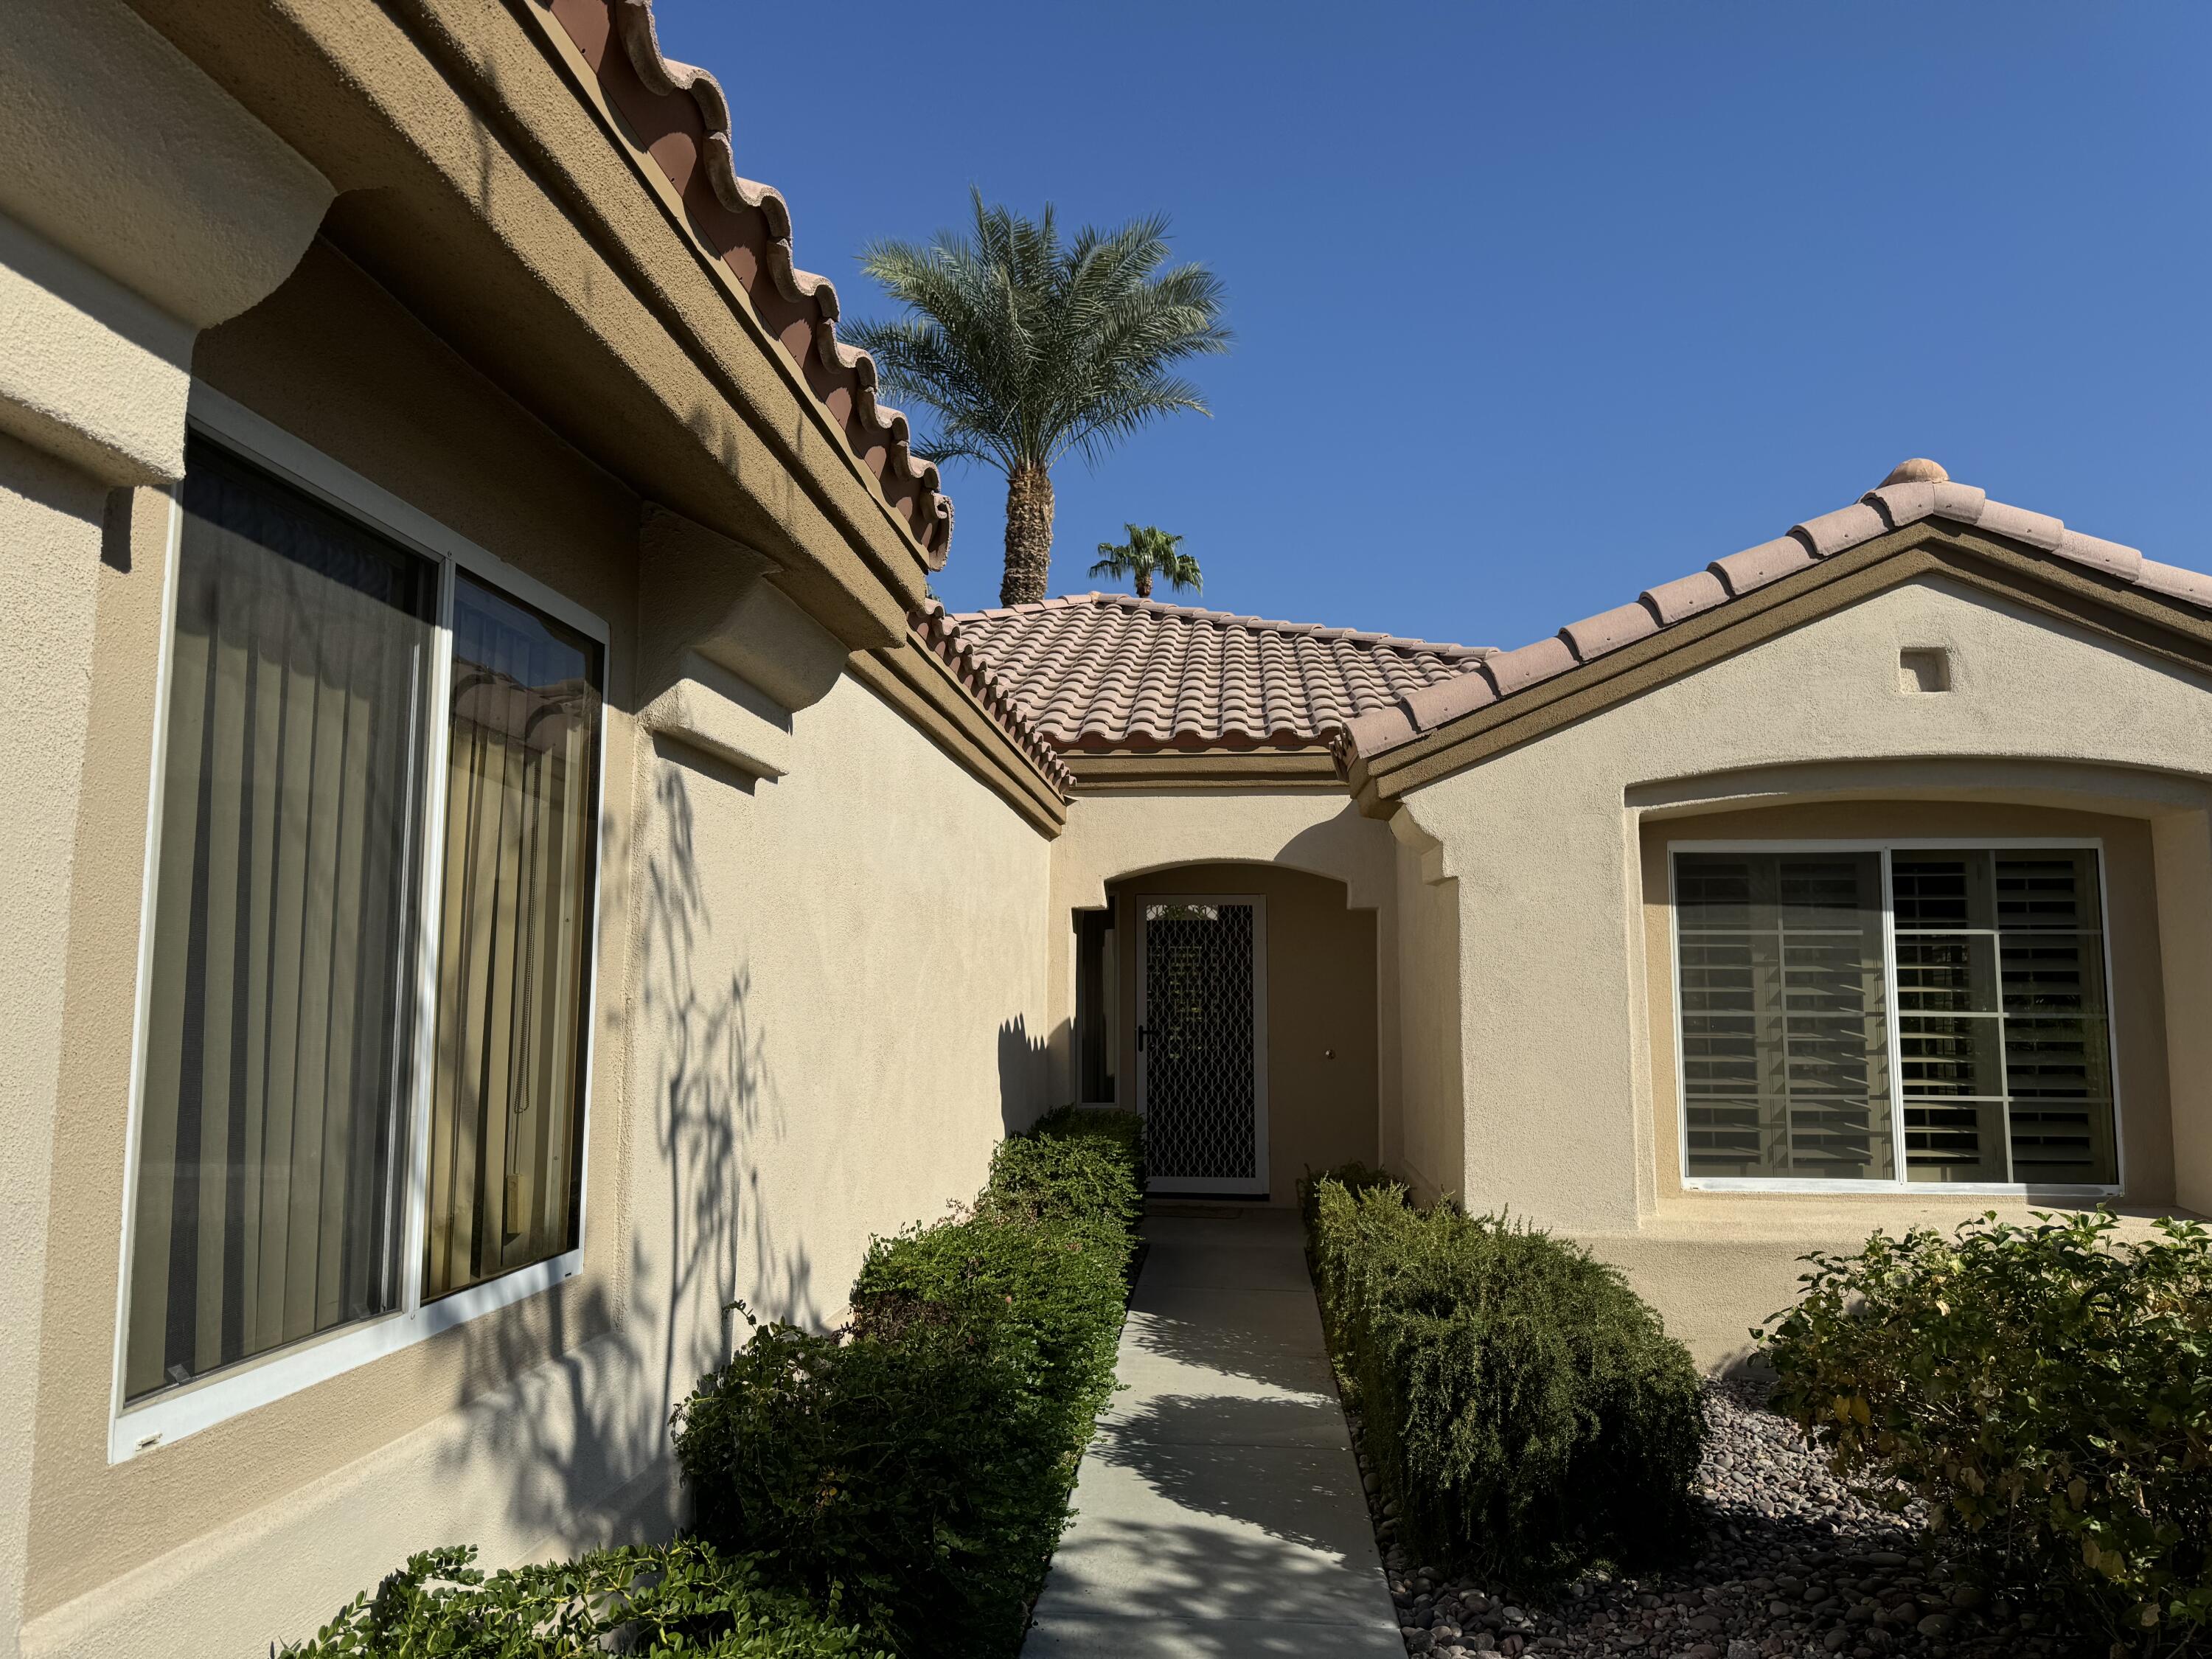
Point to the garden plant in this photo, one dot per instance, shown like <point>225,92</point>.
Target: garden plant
<point>1524,1408</point>
<point>893,1488</point>
<point>2045,1391</point>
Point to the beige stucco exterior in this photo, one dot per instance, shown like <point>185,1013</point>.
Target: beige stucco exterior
<point>1555,930</point>
<point>821,981</point>
<point>837,895</point>
<point>1322,1009</point>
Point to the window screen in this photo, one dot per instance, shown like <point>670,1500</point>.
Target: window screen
<point>1998,1020</point>
<point>270,1131</point>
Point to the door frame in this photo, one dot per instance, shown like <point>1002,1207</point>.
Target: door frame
<point>1141,1006</point>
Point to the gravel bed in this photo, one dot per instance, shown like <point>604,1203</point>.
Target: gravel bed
<point>1791,1564</point>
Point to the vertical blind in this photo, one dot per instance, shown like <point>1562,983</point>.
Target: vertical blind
<point>2002,1030</point>
<point>275,1031</point>
<point>1784,1040</point>
<point>507,1105</point>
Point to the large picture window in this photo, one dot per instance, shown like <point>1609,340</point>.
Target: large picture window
<point>1909,1014</point>
<point>368,980</point>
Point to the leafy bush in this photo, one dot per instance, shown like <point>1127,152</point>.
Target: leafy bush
<point>681,1601</point>
<point>1120,1129</point>
<point>1354,1177</point>
<point>920,1463</point>
<point>915,1469</point>
<point>2046,1390</point>
<point>1526,1408</point>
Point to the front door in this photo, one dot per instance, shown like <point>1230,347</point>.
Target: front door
<point>1202,1042</point>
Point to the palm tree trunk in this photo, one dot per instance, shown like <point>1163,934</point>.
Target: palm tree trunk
<point>1029,535</point>
<point>1144,584</point>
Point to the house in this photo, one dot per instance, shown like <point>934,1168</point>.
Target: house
<point>506,860</point>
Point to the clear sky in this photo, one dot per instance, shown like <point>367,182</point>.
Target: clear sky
<point>1539,304</point>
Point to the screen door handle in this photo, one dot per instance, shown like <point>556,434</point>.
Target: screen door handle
<point>1140,1039</point>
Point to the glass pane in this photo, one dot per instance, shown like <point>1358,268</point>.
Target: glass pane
<point>265,1207</point>
<point>1784,1032</point>
<point>507,1112</point>
<point>1946,973</point>
<point>1097,985</point>
<point>1945,890</point>
<point>2053,889</point>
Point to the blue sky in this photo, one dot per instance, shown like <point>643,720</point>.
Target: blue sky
<point>1538,305</point>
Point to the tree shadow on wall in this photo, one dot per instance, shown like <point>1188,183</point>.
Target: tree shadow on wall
<point>573,1390</point>
<point>1021,1075</point>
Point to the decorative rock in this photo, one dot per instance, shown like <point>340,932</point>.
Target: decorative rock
<point>1783,1562</point>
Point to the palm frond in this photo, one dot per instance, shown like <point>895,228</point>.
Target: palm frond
<point>1022,346</point>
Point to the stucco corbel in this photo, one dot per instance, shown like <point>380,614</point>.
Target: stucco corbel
<point>713,711</point>
<point>702,593</point>
<point>1435,866</point>
<point>146,205</point>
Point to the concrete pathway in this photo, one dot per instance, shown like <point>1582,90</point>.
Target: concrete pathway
<point>1219,1508</point>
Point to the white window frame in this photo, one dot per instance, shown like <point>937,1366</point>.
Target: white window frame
<point>1257,1185</point>
<point>1934,1189</point>
<point>177,1413</point>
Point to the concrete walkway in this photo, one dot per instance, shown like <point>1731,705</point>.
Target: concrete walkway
<point>1219,1508</point>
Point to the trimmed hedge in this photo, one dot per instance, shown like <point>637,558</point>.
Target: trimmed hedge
<point>894,1488</point>
<point>919,1463</point>
<point>2045,1390</point>
<point>1527,1410</point>
<point>680,1601</point>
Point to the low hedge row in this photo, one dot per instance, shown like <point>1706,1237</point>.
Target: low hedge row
<point>2045,1390</point>
<point>896,1487</point>
<point>920,1464</point>
<point>679,1601</point>
<point>1524,1407</point>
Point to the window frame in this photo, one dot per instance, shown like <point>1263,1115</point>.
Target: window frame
<point>175,1413</point>
<point>1896,1186</point>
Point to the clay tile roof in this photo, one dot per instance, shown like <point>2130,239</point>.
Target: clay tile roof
<point>681,118</point>
<point>939,631</point>
<point>1101,671</point>
<point>1916,489</point>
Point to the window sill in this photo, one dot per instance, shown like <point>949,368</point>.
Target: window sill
<point>1925,1189</point>
<point>178,1413</point>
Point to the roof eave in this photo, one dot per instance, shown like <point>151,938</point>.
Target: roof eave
<point>2107,602</point>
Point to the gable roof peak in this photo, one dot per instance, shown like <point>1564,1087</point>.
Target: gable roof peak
<point>1918,470</point>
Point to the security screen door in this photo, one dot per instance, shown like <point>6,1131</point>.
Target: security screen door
<point>1202,1042</point>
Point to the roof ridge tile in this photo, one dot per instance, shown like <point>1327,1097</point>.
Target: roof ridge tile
<point>1889,506</point>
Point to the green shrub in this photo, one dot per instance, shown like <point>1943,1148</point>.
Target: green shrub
<point>1120,1129</point>
<point>1354,1177</point>
<point>915,1469</point>
<point>920,1464</point>
<point>1526,1409</point>
<point>2046,1390</point>
<point>680,1601</point>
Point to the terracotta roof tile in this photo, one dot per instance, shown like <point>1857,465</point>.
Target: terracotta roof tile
<point>1684,596</point>
<point>1593,636</point>
<point>1755,567</point>
<point>681,118</point>
<point>1109,671</point>
<point>1917,490</point>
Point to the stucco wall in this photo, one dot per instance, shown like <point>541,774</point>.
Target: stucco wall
<point>1320,1006</point>
<point>49,572</point>
<point>1545,843</point>
<point>1110,837</point>
<point>815,1011</point>
<point>839,1006</point>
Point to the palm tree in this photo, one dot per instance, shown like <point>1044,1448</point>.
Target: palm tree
<point>1026,347</point>
<point>1149,552</point>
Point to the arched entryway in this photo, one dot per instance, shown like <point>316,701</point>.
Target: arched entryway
<point>1235,1005</point>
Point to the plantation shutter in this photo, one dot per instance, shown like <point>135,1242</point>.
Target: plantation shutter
<point>1783,1022</point>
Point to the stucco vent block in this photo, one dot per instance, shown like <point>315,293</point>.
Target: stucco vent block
<point>1923,668</point>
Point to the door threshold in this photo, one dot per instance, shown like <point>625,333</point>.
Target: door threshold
<point>1226,1208</point>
